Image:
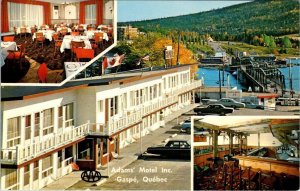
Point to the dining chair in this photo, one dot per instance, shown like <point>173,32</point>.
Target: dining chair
<point>99,39</point>
<point>81,29</point>
<point>32,29</point>
<point>82,53</point>
<point>17,56</point>
<point>63,31</point>
<point>75,33</point>
<point>23,31</point>
<point>74,45</point>
<point>57,42</point>
<point>40,38</point>
<point>8,39</point>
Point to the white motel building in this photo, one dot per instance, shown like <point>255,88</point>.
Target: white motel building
<point>45,129</point>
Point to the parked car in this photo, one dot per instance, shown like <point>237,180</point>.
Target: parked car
<point>213,109</point>
<point>253,105</point>
<point>228,102</point>
<point>173,149</point>
<point>185,126</point>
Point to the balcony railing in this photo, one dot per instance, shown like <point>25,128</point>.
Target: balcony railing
<point>53,141</point>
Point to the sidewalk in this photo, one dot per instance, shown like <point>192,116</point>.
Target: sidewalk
<point>130,153</point>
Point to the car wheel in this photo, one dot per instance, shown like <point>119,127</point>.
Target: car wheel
<point>222,113</point>
<point>188,131</point>
<point>199,113</point>
<point>234,107</point>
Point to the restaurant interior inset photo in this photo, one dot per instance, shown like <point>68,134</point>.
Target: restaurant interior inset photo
<point>48,41</point>
<point>246,153</point>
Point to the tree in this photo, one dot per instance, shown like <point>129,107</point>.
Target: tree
<point>286,42</point>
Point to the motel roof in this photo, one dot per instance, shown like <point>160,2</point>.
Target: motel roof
<point>11,93</point>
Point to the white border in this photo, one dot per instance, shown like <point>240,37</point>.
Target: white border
<point>82,68</point>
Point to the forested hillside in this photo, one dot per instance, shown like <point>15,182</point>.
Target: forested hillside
<point>238,22</point>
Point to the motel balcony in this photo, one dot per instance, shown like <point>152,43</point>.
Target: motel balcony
<point>23,153</point>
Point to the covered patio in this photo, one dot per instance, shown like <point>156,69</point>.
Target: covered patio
<point>246,153</point>
<point>52,32</point>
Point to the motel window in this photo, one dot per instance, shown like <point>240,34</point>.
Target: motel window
<point>27,126</point>
<point>47,166</point>
<point>48,121</point>
<point>90,14</point>
<point>36,170</point>
<point>59,159</point>
<point>13,132</point>
<point>100,105</point>
<point>69,115</point>
<point>26,175</point>
<point>60,117</point>
<point>10,178</point>
<point>36,124</point>
<point>114,106</point>
<point>104,146</point>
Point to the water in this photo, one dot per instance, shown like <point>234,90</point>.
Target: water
<point>211,78</point>
<point>295,70</point>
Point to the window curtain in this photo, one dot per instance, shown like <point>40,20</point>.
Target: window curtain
<point>90,14</point>
<point>5,26</point>
<point>98,15</point>
<point>24,15</point>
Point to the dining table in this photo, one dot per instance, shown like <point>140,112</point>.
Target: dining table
<point>91,34</point>
<point>73,67</point>
<point>66,43</point>
<point>5,47</point>
<point>47,34</point>
<point>60,28</point>
<point>28,30</point>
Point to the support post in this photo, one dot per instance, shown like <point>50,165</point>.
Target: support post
<point>258,139</point>
<point>230,142</point>
<point>215,143</point>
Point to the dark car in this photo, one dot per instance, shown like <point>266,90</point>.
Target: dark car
<point>213,109</point>
<point>173,149</point>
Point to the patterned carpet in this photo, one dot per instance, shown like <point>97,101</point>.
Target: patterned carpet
<point>27,73</point>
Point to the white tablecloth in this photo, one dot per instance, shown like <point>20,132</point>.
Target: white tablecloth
<point>90,34</point>
<point>5,47</point>
<point>66,44</point>
<point>58,29</point>
<point>72,67</point>
<point>47,34</point>
<point>28,30</point>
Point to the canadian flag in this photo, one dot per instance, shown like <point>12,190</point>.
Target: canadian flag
<point>112,61</point>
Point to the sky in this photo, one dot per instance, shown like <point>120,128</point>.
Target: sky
<point>134,10</point>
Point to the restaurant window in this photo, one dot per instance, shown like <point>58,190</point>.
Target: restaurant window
<point>26,175</point>
<point>27,126</point>
<point>20,14</point>
<point>35,170</point>
<point>13,132</point>
<point>10,177</point>
<point>90,14</point>
<point>36,124</point>
<point>48,121</point>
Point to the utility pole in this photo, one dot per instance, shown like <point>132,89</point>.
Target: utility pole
<point>177,62</point>
<point>220,91</point>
